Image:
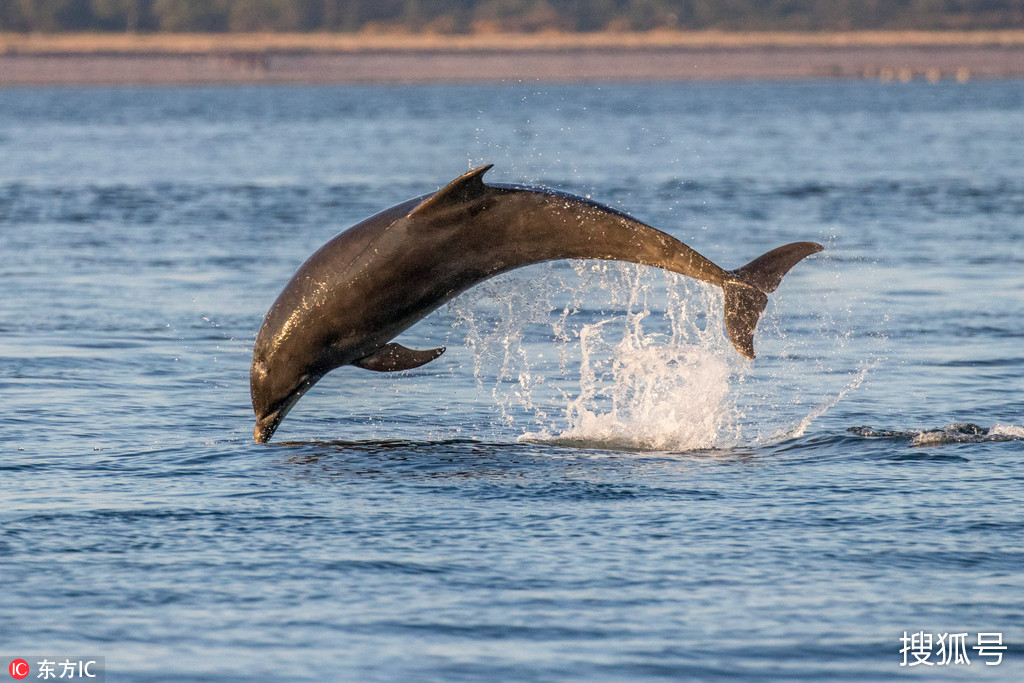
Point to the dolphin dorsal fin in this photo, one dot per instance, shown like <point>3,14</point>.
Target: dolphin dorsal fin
<point>464,188</point>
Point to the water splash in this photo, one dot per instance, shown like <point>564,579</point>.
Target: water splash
<point>640,358</point>
<point>663,397</point>
<point>817,411</point>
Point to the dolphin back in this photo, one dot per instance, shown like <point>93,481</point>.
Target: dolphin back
<point>565,226</point>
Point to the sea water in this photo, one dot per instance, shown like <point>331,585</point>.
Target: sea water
<point>590,483</point>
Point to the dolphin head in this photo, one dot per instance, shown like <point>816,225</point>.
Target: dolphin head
<point>275,389</point>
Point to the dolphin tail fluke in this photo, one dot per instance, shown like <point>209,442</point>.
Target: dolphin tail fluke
<point>746,295</point>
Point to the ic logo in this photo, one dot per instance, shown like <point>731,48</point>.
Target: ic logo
<point>19,669</point>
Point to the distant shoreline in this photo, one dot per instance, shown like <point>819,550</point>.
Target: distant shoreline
<point>128,59</point>
<point>205,43</point>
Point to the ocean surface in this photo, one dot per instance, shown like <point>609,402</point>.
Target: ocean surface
<point>591,483</point>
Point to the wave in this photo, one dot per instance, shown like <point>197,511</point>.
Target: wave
<point>958,432</point>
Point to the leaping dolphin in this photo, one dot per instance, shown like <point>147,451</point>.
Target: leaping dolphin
<point>371,282</point>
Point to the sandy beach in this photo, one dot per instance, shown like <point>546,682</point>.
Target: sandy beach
<point>88,59</point>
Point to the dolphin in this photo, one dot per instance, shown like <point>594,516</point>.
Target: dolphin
<point>365,286</point>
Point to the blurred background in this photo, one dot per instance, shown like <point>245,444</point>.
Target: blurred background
<point>464,16</point>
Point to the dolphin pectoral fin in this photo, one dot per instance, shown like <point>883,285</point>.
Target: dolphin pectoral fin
<point>466,187</point>
<point>394,357</point>
<point>747,295</point>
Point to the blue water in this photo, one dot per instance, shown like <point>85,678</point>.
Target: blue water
<point>590,484</point>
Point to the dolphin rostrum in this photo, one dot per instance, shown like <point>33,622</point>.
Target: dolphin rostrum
<point>357,292</point>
